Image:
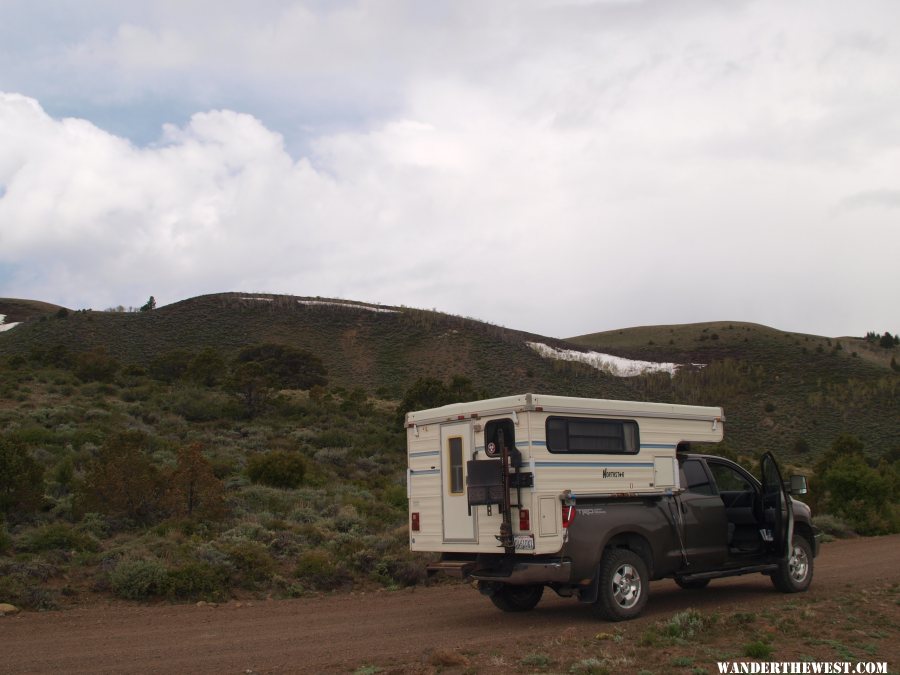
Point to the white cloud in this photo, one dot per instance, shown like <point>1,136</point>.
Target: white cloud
<point>560,167</point>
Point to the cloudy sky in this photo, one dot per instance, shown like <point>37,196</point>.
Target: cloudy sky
<point>558,166</point>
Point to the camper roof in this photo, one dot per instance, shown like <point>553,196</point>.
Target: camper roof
<point>562,404</point>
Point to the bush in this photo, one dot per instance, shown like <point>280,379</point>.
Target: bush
<point>194,490</point>
<point>5,539</point>
<point>96,366</point>
<point>139,579</point>
<point>253,566</point>
<point>58,536</point>
<point>122,481</point>
<point>758,650</point>
<point>198,405</point>
<point>289,367</point>
<point>834,526</point>
<point>198,581</point>
<point>277,469</point>
<point>171,366</point>
<point>21,480</point>
<point>318,569</point>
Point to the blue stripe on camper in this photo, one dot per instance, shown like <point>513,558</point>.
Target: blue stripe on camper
<point>428,453</point>
<point>597,464</point>
<point>534,444</point>
<point>424,472</point>
<point>658,446</point>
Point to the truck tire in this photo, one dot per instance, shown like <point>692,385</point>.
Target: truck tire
<point>517,598</point>
<point>692,584</point>
<point>795,575</point>
<point>623,585</point>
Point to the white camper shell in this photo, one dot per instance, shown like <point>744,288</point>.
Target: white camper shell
<point>559,448</point>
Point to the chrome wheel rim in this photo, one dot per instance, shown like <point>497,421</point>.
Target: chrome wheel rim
<point>798,565</point>
<point>626,586</point>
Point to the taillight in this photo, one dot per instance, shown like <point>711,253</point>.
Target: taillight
<point>568,515</point>
<point>415,522</point>
<point>524,520</point>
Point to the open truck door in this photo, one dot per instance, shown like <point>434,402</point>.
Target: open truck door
<point>777,528</point>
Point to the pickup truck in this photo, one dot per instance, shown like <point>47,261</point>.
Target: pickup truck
<point>594,499</point>
<point>725,523</point>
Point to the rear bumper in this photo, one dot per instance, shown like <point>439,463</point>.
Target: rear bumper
<point>528,573</point>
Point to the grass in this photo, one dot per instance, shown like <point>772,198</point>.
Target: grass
<point>695,641</point>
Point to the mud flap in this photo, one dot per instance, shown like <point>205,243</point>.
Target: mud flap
<point>589,593</point>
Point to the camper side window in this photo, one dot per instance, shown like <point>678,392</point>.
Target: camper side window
<point>455,458</point>
<point>584,435</point>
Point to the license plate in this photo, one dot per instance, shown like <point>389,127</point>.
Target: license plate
<point>524,542</point>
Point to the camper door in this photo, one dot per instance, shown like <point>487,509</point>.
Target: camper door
<point>456,450</point>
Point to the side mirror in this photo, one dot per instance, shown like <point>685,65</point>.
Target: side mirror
<point>798,485</point>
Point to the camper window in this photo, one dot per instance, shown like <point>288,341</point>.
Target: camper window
<point>455,459</point>
<point>584,435</point>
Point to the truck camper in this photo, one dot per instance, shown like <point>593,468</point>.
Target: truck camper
<point>595,498</point>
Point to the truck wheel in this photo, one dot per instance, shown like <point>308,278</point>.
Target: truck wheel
<point>517,598</point>
<point>624,585</point>
<point>795,575</point>
<point>692,584</point>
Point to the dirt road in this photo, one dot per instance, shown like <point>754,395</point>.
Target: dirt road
<point>388,629</point>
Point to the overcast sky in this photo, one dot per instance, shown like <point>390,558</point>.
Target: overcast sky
<point>558,166</point>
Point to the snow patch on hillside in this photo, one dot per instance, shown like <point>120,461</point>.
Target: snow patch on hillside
<point>350,305</point>
<point>6,326</point>
<point>614,365</point>
<point>329,303</point>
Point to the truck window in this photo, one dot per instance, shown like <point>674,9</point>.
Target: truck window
<point>584,435</point>
<point>694,477</point>
<point>728,479</point>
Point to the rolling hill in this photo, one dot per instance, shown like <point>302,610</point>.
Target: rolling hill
<point>789,392</point>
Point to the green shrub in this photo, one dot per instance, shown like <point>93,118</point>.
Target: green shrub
<point>332,438</point>
<point>200,405</point>
<point>139,579</point>
<point>171,366</point>
<point>834,526</point>
<point>21,480</point>
<point>289,367</point>
<point>96,366</point>
<point>5,539</point>
<point>252,564</point>
<point>316,568</point>
<point>685,625</point>
<point>277,469</point>
<point>122,480</point>
<point>57,536</point>
<point>758,650</point>
<point>395,495</point>
<point>198,580</point>
<point>27,592</point>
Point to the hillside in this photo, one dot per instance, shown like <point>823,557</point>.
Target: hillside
<point>14,310</point>
<point>781,391</point>
<point>382,349</point>
<point>789,392</point>
<point>141,459</point>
